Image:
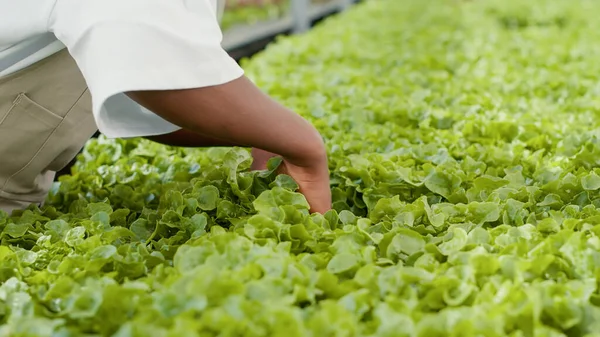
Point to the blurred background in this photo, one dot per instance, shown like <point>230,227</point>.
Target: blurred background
<point>249,25</point>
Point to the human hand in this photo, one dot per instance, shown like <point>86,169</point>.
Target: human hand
<point>312,177</point>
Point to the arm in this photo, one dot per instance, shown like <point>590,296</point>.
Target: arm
<point>239,113</point>
<point>187,138</point>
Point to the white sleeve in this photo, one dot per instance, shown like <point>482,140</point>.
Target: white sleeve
<point>125,45</point>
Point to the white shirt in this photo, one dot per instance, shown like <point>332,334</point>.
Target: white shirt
<point>120,46</point>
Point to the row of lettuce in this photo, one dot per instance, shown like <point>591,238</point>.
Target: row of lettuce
<point>463,141</point>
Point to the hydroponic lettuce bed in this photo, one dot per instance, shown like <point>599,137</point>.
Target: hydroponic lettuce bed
<point>463,150</point>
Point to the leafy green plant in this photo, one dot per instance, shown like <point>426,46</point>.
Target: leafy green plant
<point>464,158</point>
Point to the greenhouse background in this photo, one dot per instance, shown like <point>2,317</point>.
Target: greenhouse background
<point>463,145</point>
<point>248,23</point>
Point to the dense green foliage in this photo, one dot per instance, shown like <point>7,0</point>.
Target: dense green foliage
<point>464,151</point>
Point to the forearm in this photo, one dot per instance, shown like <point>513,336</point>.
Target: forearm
<point>186,138</point>
<point>237,113</point>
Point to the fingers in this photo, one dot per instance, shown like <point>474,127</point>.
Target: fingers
<point>313,183</point>
<point>318,198</point>
<point>312,180</point>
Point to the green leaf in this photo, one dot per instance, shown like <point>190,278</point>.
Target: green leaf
<point>484,212</point>
<point>208,197</point>
<point>95,208</point>
<point>142,229</point>
<point>590,182</point>
<point>456,243</point>
<point>405,241</point>
<point>342,263</point>
<point>442,183</point>
<point>15,230</point>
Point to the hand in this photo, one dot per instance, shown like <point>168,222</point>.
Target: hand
<point>312,178</point>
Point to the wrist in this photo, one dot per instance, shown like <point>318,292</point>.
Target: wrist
<point>312,153</point>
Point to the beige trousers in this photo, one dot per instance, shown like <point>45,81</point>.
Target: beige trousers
<point>45,120</point>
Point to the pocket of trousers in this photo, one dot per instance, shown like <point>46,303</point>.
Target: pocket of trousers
<point>24,130</point>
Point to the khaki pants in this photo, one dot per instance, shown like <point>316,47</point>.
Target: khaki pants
<point>45,120</point>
